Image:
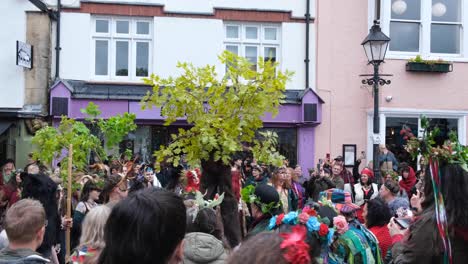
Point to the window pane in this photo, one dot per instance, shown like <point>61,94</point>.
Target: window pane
<point>251,55</point>
<point>287,142</point>
<point>102,26</point>
<point>406,9</point>
<point>123,27</point>
<point>270,54</point>
<point>102,48</point>
<point>405,36</point>
<point>232,32</point>
<point>445,126</point>
<point>143,28</point>
<point>396,141</point>
<point>270,34</point>
<point>445,39</point>
<point>446,10</point>
<point>142,57</point>
<point>232,48</point>
<point>251,33</point>
<point>121,58</point>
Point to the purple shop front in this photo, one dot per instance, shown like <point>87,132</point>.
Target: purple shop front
<point>295,123</point>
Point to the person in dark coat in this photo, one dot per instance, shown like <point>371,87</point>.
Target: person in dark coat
<point>42,188</point>
<point>422,242</point>
<point>319,183</point>
<point>266,205</point>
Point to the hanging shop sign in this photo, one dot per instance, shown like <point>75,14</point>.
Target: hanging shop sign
<point>24,55</point>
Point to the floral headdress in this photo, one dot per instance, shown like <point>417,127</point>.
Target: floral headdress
<point>392,173</point>
<point>248,196</point>
<point>296,249</point>
<point>451,152</point>
<point>308,217</point>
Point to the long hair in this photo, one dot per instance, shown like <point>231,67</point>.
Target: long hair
<point>144,228</point>
<point>454,188</point>
<point>454,182</point>
<point>276,177</point>
<point>87,189</point>
<point>92,234</point>
<point>175,174</point>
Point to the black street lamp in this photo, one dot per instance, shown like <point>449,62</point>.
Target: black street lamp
<point>375,45</point>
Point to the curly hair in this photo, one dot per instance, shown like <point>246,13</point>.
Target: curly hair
<point>378,213</point>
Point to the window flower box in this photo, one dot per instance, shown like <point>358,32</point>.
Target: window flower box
<point>419,65</point>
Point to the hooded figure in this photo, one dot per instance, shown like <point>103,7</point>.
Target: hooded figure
<point>203,243</point>
<point>203,248</point>
<point>42,188</point>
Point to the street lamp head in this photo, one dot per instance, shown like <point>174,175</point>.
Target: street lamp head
<point>375,44</point>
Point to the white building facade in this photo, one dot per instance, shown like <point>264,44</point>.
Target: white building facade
<point>107,47</point>
<point>26,40</point>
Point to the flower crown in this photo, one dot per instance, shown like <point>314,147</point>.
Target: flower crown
<point>248,196</point>
<point>390,172</point>
<point>295,247</point>
<point>315,225</point>
<point>451,151</point>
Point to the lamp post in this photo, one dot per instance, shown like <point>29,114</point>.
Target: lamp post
<point>375,46</point>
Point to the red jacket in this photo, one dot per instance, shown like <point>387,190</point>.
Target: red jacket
<point>235,180</point>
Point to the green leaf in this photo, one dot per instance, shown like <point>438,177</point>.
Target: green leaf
<point>224,113</point>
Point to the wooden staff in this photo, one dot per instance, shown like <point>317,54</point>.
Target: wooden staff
<point>69,195</point>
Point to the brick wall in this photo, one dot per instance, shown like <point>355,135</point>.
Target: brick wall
<point>158,11</point>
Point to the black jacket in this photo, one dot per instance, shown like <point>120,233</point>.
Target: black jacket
<point>41,187</point>
<point>316,185</point>
<point>424,244</point>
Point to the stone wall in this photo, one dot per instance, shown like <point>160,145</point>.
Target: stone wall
<point>37,80</point>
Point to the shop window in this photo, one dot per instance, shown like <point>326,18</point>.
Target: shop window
<point>287,143</point>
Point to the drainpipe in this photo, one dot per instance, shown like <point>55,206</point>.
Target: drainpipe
<point>377,10</point>
<point>57,41</point>
<point>307,17</point>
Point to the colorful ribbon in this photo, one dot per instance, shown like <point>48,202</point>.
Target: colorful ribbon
<point>441,215</point>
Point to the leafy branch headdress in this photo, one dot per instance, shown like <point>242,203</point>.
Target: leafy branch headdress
<point>248,196</point>
<point>451,152</point>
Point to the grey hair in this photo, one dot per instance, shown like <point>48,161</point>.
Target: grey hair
<point>92,234</point>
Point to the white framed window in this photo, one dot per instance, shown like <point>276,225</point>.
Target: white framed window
<point>431,28</point>
<point>121,48</point>
<point>253,41</point>
<point>392,121</point>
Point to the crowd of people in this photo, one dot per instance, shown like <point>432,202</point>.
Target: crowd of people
<point>127,211</point>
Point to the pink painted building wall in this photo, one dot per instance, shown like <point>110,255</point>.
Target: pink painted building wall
<point>347,114</point>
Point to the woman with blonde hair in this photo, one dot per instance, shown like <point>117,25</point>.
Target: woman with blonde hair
<point>92,236</point>
<point>281,180</point>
